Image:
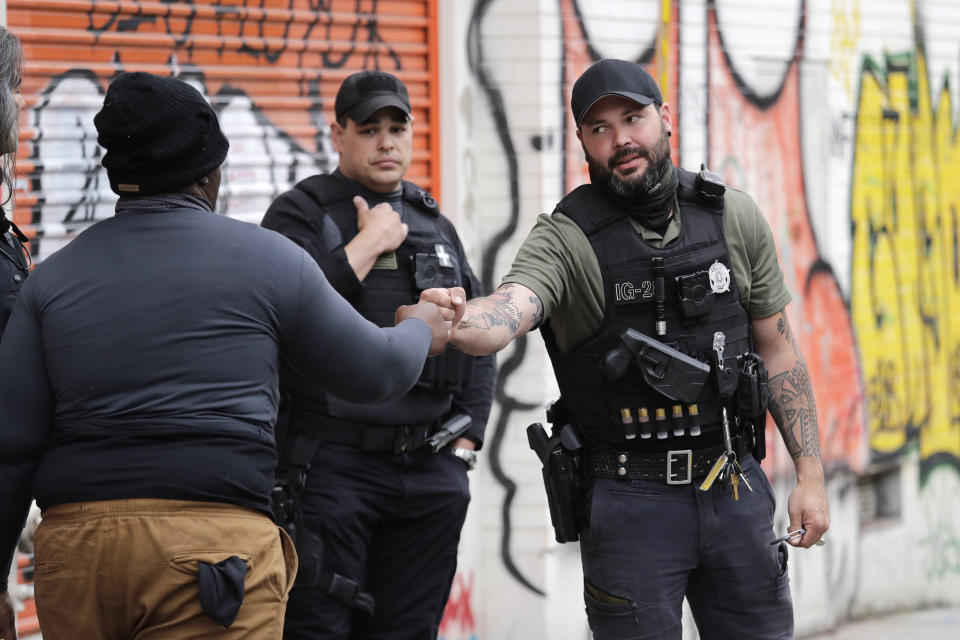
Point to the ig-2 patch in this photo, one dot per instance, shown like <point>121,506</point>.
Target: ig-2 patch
<point>631,292</point>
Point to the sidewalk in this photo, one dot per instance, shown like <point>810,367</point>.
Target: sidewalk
<point>930,624</point>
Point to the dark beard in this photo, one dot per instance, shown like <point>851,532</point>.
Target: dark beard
<point>658,162</point>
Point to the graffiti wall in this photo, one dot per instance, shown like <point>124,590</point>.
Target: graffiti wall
<point>840,118</point>
<point>271,69</point>
<point>903,213</point>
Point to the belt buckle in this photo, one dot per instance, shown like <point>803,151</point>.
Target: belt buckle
<point>688,453</point>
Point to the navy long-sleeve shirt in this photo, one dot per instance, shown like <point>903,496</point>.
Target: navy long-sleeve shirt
<point>141,362</point>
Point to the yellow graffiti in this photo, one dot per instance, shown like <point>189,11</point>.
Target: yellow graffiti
<point>663,60</point>
<point>905,299</point>
<point>844,41</point>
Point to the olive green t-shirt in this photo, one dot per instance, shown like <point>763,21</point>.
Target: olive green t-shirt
<point>558,264</point>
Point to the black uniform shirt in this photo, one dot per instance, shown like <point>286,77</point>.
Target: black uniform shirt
<point>325,241</point>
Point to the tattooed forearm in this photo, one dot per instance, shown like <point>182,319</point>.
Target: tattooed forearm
<point>794,409</point>
<point>491,323</point>
<point>485,316</point>
<point>496,310</point>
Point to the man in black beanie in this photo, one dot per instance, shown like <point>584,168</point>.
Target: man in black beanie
<point>160,135</point>
<point>139,380</point>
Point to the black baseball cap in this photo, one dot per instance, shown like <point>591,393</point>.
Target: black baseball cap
<point>363,94</point>
<point>612,77</point>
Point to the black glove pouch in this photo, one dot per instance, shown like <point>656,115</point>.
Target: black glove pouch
<point>221,589</point>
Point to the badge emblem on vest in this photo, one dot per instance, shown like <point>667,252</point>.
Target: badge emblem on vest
<point>719,278</point>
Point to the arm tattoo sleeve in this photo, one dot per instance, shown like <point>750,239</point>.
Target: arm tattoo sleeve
<point>497,310</point>
<point>792,404</point>
<point>538,314</point>
<point>783,328</point>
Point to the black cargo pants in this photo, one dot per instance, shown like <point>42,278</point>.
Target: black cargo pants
<point>648,544</point>
<point>390,522</point>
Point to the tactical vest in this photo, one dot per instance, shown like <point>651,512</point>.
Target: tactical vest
<point>427,258</point>
<point>688,287</point>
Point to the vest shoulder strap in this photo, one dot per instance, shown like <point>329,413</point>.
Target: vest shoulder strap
<point>327,191</point>
<point>324,189</point>
<point>588,209</point>
<point>420,198</point>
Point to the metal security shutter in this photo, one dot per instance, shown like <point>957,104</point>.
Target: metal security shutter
<point>270,67</point>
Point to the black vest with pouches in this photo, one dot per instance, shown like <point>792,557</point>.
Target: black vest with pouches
<point>425,259</point>
<point>697,303</point>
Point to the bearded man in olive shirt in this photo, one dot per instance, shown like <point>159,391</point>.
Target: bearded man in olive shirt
<point>647,250</point>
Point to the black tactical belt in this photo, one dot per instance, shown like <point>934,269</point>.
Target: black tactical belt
<point>403,439</point>
<point>680,466</point>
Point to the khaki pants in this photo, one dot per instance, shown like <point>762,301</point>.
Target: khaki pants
<point>127,569</point>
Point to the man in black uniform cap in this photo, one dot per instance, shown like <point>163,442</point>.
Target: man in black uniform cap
<point>660,299</point>
<point>382,507</point>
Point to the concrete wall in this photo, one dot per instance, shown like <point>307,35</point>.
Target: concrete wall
<point>839,117</point>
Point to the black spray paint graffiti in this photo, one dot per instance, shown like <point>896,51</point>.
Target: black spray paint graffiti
<point>231,20</point>
<point>68,201</point>
<point>83,147</point>
<point>506,403</point>
<point>576,46</point>
<point>244,27</point>
<point>66,181</point>
<point>765,100</point>
<point>593,54</point>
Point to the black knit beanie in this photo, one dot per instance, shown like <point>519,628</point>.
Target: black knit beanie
<point>160,134</point>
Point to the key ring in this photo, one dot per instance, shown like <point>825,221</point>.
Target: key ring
<point>794,534</point>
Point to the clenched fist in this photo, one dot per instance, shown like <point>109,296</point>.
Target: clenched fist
<point>452,302</point>
<point>429,313</point>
